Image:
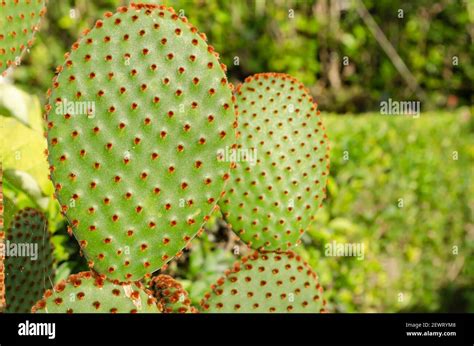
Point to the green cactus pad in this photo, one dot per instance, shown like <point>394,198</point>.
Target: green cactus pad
<point>136,169</point>
<point>282,163</point>
<point>19,21</point>
<point>171,294</point>
<point>28,260</point>
<point>87,292</point>
<point>271,282</point>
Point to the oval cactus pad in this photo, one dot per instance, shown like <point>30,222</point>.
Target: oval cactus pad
<point>135,119</point>
<point>282,163</point>
<point>28,260</point>
<point>271,282</point>
<point>86,292</point>
<point>19,21</point>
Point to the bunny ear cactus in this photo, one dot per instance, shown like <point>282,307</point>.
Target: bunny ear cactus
<point>282,163</point>
<point>19,22</point>
<point>86,292</point>
<point>270,282</point>
<point>135,117</point>
<point>28,260</point>
<point>171,294</point>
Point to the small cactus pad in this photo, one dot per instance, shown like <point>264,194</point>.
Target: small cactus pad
<point>19,21</point>
<point>282,163</point>
<point>171,294</point>
<point>271,282</point>
<point>136,168</point>
<point>87,292</point>
<point>28,260</point>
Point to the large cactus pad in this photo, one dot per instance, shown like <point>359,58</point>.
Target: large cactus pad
<point>136,117</point>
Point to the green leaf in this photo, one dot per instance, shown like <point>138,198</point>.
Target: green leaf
<point>63,271</point>
<point>18,104</point>
<point>22,148</point>
<point>9,210</point>
<point>62,250</point>
<point>26,183</point>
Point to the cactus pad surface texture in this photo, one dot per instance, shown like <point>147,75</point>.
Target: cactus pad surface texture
<point>270,282</point>
<point>282,163</point>
<point>135,118</point>
<point>19,22</point>
<point>87,292</point>
<point>28,263</point>
<point>171,294</point>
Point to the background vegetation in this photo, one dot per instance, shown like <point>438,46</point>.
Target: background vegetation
<point>419,256</point>
<point>308,39</point>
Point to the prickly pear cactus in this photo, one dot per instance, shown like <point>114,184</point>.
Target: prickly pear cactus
<point>282,163</point>
<point>19,21</point>
<point>135,119</point>
<point>2,240</point>
<point>271,282</point>
<point>28,260</point>
<point>171,294</point>
<point>86,292</point>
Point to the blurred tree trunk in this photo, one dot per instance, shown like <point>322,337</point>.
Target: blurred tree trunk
<point>329,13</point>
<point>382,40</point>
<point>334,34</point>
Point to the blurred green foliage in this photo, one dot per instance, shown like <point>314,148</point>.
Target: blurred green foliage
<point>309,39</point>
<point>403,187</point>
